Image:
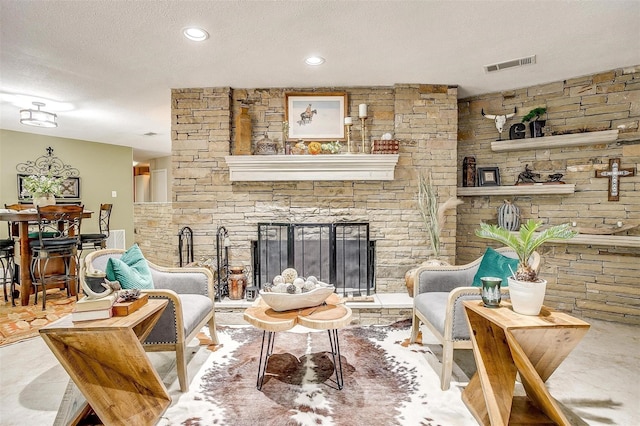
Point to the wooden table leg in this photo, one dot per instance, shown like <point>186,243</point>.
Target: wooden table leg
<point>25,264</point>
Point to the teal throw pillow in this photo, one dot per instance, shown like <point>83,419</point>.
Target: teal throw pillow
<point>131,270</point>
<point>494,264</point>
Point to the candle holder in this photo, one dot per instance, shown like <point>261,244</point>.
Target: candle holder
<point>364,131</point>
<point>348,126</point>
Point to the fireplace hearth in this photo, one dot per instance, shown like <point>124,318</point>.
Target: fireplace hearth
<point>338,253</point>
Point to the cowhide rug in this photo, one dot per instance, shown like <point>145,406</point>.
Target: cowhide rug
<point>386,382</point>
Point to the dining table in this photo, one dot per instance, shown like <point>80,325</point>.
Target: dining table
<point>23,219</point>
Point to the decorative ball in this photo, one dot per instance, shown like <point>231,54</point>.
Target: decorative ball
<point>292,289</point>
<point>308,286</point>
<point>280,288</point>
<point>313,279</point>
<point>278,279</point>
<point>289,275</point>
<point>298,282</point>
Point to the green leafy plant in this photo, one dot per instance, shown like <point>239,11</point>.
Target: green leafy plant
<point>536,112</point>
<point>525,242</point>
<point>36,185</point>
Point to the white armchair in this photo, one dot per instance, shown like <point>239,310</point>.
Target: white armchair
<point>191,306</point>
<point>438,294</point>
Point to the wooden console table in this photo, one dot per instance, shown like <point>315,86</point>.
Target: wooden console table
<point>108,364</point>
<point>504,343</point>
<point>330,316</point>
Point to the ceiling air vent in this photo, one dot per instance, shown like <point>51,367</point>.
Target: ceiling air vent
<point>529,60</point>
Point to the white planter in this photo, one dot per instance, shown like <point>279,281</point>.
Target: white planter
<point>527,297</point>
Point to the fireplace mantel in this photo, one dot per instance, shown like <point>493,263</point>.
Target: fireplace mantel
<point>260,168</point>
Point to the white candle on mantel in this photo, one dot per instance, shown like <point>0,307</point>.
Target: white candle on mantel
<point>348,121</point>
<point>362,110</point>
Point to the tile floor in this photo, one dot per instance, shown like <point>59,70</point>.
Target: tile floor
<point>599,381</point>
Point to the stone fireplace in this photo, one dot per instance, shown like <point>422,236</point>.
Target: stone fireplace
<point>205,195</point>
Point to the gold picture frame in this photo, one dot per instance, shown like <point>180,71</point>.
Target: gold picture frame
<point>315,116</point>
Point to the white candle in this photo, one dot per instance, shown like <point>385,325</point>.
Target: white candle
<point>348,121</point>
<point>362,110</point>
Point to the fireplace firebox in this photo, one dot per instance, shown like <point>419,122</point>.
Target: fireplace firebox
<point>338,253</point>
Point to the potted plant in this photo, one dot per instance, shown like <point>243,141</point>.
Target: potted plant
<point>526,289</point>
<point>42,188</point>
<point>536,127</point>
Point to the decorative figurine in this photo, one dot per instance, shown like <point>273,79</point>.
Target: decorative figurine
<point>556,177</point>
<point>517,131</point>
<point>527,176</point>
<point>469,171</point>
<point>500,120</point>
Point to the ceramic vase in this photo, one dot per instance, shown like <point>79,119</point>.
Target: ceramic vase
<point>237,282</point>
<point>527,297</point>
<point>42,200</point>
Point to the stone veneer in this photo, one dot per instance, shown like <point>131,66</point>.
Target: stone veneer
<point>587,280</point>
<point>422,117</point>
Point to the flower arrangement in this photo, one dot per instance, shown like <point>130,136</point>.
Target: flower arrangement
<point>37,185</point>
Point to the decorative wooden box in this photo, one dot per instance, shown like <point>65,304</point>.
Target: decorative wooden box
<point>122,309</point>
<point>384,147</point>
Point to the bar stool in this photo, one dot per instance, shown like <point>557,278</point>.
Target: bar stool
<point>58,238</point>
<point>8,265</point>
<point>97,241</point>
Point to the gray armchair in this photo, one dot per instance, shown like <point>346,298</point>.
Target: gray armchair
<point>191,306</point>
<point>438,294</point>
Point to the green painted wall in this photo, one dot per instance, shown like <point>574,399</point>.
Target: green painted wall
<point>103,169</point>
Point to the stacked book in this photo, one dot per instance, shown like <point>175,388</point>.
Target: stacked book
<point>93,309</point>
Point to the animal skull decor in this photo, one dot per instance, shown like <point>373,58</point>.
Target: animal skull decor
<point>500,120</point>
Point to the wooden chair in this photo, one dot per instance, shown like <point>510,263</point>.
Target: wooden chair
<point>438,294</point>
<point>191,306</point>
<point>58,238</point>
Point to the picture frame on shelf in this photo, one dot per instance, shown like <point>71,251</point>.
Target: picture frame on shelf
<point>488,176</point>
<point>315,116</point>
<point>70,188</point>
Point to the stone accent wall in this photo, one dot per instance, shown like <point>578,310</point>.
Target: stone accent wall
<point>590,281</point>
<point>422,117</point>
<point>155,232</point>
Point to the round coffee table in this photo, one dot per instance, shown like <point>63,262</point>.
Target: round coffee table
<point>330,316</point>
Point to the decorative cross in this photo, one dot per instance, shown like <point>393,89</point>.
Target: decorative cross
<point>614,174</point>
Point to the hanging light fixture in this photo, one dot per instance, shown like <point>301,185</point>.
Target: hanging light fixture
<point>37,117</point>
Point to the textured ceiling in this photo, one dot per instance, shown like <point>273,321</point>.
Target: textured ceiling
<point>107,67</point>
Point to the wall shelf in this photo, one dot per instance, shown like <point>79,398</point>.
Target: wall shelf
<point>601,240</point>
<point>575,139</point>
<point>535,189</point>
<point>264,168</point>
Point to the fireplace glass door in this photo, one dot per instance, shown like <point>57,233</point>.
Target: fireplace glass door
<point>338,253</point>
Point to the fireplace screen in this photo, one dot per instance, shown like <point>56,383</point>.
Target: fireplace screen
<point>337,253</point>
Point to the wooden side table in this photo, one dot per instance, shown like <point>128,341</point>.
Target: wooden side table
<point>330,316</point>
<point>504,343</point>
<point>108,364</point>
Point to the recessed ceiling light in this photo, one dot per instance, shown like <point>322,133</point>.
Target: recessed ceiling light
<point>195,34</point>
<point>314,60</point>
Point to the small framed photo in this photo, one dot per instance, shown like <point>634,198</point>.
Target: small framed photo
<point>488,176</point>
<point>316,116</point>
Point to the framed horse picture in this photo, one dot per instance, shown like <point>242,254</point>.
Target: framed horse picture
<point>315,116</point>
